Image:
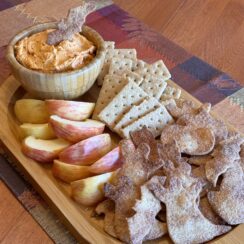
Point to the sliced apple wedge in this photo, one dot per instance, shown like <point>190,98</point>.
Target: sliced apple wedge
<point>69,172</point>
<point>31,111</point>
<point>75,131</point>
<point>44,151</point>
<point>89,191</point>
<point>39,131</point>
<point>109,162</point>
<point>87,151</point>
<point>70,109</point>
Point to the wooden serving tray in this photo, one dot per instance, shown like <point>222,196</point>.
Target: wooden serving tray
<point>76,217</point>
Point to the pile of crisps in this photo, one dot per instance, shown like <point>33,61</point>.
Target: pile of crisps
<point>189,185</point>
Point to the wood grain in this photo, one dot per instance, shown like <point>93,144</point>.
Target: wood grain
<point>210,29</point>
<point>17,225</point>
<point>76,217</point>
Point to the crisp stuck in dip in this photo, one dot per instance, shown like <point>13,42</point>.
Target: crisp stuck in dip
<point>34,53</point>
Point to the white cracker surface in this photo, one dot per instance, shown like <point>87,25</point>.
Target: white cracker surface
<point>132,76</point>
<point>103,73</point>
<point>138,64</point>
<point>109,45</point>
<point>158,69</point>
<point>153,85</point>
<point>130,95</point>
<point>154,121</point>
<point>111,87</point>
<point>119,66</point>
<point>114,53</point>
<point>121,54</point>
<point>147,105</point>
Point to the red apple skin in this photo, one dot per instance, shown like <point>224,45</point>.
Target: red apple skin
<point>46,154</point>
<point>109,162</point>
<point>40,156</point>
<point>70,109</point>
<point>74,133</point>
<point>87,151</point>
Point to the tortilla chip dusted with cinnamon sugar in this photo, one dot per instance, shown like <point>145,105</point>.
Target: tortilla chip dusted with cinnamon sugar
<point>199,160</point>
<point>72,24</point>
<point>191,140</point>
<point>154,173</point>
<point>224,156</point>
<point>242,157</point>
<point>203,119</point>
<point>137,166</point>
<point>185,222</point>
<point>181,171</point>
<point>124,195</point>
<point>145,136</point>
<point>200,174</point>
<point>141,224</point>
<point>228,202</point>
<point>107,208</point>
<point>186,107</point>
<point>170,152</point>
<point>209,213</point>
<point>127,193</point>
<point>157,230</point>
<point>126,188</point>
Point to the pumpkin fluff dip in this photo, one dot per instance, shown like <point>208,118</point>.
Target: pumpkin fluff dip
<point>34,53</point>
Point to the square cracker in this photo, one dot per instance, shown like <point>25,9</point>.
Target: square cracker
<point>103,73</point>
<point>132,76</point>
<point>138,64</point>
<point>153,85</point>
<point>130,95</point>
<point>170,92</point>
<point>111,86</point>
<point>154,121</point>
<point>114,53</point>
<point>109,45</point>
<point>121,54</point>
<point>158,69</point>
<point>118,66</point>
<point>147,105</point>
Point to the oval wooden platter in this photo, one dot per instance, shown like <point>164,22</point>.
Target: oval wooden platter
<point>76,217</point>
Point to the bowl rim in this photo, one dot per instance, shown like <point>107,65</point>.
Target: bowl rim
<point>10,55</point>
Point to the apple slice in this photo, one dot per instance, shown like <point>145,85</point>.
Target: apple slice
<point>70,172</point>
<point>39,131</point>
<point>70,109</point>
<point>31,111</point>
<point>89,191</point>
<point>109,162</point>
<point>75,131</point>
<point>44,151</point>
<point>87,151</point>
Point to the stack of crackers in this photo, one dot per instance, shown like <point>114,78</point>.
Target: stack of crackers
<point>134,93</point>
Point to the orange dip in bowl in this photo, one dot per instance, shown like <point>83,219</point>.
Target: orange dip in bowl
<point>34,53</point>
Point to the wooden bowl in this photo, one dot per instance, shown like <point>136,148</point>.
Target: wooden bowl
<point>63,85</point>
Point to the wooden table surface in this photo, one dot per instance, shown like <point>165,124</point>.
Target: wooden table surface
<point>210,29</point>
